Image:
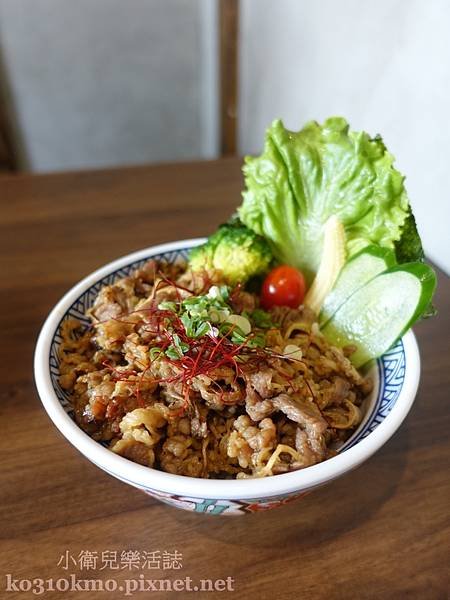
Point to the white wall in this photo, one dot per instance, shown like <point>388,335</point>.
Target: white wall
<point>384,65</point>
<point>107,82</point>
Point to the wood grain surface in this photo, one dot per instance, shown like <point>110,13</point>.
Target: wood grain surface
<point>381,531</point>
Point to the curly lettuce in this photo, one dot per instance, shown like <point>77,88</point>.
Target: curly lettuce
<point>303,178</point>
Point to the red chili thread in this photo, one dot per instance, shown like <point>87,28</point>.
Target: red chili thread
<point>204,355</point>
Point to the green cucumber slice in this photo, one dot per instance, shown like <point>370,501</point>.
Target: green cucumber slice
<point>378,313</point>
<point>358,271</point>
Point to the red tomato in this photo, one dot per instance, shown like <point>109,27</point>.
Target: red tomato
<point>283,286</point>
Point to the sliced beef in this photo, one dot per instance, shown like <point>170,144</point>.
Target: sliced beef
<point>256,407</point>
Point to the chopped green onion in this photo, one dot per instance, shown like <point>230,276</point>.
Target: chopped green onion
<point>237,337</point>
<point>177,348</point>
<point>257,341</point>
<point>168,305</point>
<point>155,353</point>
<point>173,353</point>
<point>261,318</point>
<point>202,329</point>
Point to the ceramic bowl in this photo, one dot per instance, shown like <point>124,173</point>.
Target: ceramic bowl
<point>396,377</point>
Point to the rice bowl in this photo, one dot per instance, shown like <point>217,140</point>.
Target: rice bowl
<point>395,375</point>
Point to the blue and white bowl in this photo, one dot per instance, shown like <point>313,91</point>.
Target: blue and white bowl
<point>396,377</point>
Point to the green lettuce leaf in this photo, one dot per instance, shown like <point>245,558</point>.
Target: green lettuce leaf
<point>302,178</point>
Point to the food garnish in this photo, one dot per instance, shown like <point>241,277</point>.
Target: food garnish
<point>283,286</point>
<point>359,270</point>
<point>237,251</point>
<point>331,263</point>
<point>380,312</point>
<point>325,191</point>
<point>303,178</point>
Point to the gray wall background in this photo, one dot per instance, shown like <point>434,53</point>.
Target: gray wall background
<point>106,82</point>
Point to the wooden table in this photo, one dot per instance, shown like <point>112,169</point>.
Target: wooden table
<point>379,532</point>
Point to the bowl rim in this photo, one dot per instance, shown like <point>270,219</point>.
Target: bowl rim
<point>160,481</point>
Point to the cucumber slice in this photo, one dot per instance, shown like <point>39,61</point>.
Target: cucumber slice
<point>358,271</point>
<point>378,313</point>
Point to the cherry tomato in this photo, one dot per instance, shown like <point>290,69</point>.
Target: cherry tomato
<point>283,286</point>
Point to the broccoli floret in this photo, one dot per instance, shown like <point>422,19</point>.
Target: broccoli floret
<point>409,247</point>
<point>234,249</point>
